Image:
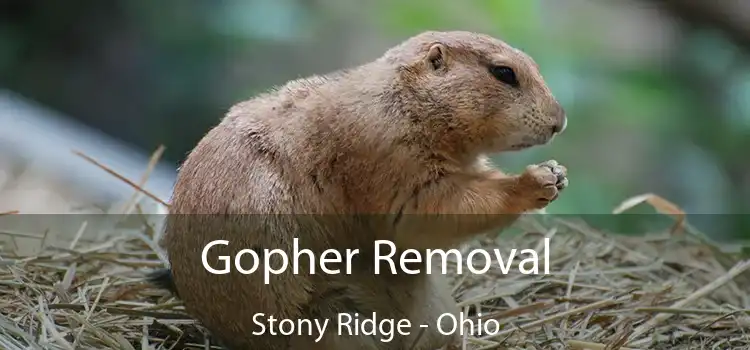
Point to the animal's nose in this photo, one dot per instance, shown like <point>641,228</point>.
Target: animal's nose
<point>561,121</point>
<point>560,127</point>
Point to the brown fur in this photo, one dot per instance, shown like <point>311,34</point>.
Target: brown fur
<point>405,134</point>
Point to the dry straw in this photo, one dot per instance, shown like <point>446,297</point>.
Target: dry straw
<point>661,291</point>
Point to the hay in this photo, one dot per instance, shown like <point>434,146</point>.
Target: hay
<point>657,293</point>
<point>665,291</point>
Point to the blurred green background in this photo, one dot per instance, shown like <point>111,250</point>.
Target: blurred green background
<point>657,92</point>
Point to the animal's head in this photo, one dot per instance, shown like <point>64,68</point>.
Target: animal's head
<point>479,90</point>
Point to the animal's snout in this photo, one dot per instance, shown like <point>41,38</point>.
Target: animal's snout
<point>560,120</point>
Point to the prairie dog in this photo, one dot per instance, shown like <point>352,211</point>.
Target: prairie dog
<point>341,160</point>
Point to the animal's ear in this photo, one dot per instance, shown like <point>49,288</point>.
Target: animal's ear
<point>437,56</point>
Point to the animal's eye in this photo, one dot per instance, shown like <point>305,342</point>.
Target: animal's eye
<point>504,74</point>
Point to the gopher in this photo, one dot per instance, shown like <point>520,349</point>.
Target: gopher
<point>395,149</point>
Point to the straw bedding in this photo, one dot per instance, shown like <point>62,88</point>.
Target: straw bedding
<point>668,291</point>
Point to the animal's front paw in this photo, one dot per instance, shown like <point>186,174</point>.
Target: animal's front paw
<point>542,183</point>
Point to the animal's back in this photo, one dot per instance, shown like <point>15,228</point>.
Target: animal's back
<point>262,177</point>
<point>228,188</point>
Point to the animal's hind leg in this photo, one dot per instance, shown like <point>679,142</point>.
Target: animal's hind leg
<point>332,339</point>
<point>256,342</point>
<point>350,296</point>
<point>431,303</point>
